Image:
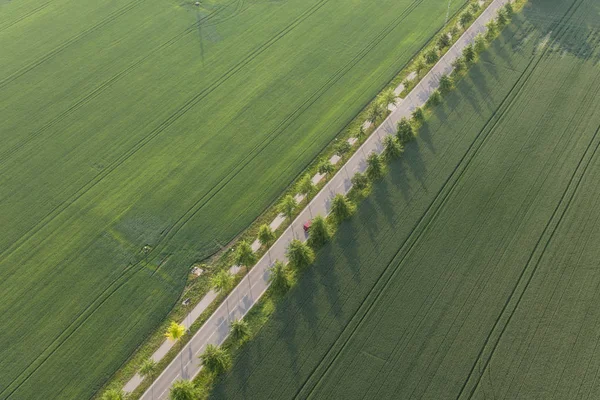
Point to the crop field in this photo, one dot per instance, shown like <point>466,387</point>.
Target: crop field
<point>164,126</point>
<point>472,270</point>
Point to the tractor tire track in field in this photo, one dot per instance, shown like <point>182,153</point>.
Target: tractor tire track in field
<point>589,92</point>
<point>88,311</point>
<point>420,228</point>
<point>25,16</point>
<point>176,114</point>
<point>5,156</point>
<point>573,8</point>
<point>57,50</point>
<point>534,260</point>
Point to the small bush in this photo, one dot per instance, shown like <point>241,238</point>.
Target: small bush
<point>375,168</point>
<point>459,64</point>
<point>319,232</point>
<point>392,147</point>
<point>405,131</point>
<point>418,115</point>
<point>266,236</point>
<point>492,31</point>
<point>502,19</point>
<point>466,17</point>
<point>446,84</point>
<point>431,56</point>
<point>215,360</point>
<point>300,254</point>
<point>435,99</point>
<point>360,181</point>
<point>280,277</point>
<point>240,330</point>
<point>341,207</point>
<point>469,54</point>
<point>343,147</point>
<point>480,44</point>
<point>443,41</point>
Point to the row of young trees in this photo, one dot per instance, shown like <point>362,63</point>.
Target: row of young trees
<point>217,360</point>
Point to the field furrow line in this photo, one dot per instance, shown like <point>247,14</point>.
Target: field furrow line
<point>8,153</point>
<point>535,258</point>
<point>113,16</point>
<point>25,16</point>
<point>573,121</point>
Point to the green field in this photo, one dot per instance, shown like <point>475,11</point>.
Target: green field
<point>472,271</point>
<point>159,123</point>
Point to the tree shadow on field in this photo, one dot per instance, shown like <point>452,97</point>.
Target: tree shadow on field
<point>467,89</point>
<point>567,26</point>
<point>350,253</point>
<point>425,136</point>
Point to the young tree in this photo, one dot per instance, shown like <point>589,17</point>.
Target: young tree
<point>360,181</point>
<point>114,394</point>
<point>466,17</point>
<point>405,131</point>
<point>480,44</point>
<point>215,359</point>
<point>420,66</point>
<point>431,56</point>
<point>183,390</point>
<point>341,207</point>
<point>492,30</point>
<point>469,54</point>
<point>459,64</point>
<point>418,115</point>
<point>343,147</point>
<point>509,11</point>
<point>475,7</point>
<point>266,236</point>
<point>435,99</point>
<point>325,167</point>
<point>443,41</point>
<point>319,232</point>
<point>280,277</point>
<point>392,147</point>
<point>148,368</point>
<point>306,186</point>
<point>299,254</point>
<point>222,281</point>
<point>375,112</point>
<point>388,97</point>
<point>454,31</point>
<point>175,331</point>
<point>361,132</point>
<point>446,84</point>
<point>374,167</point>
<point>244,255</point>
<point>502,19</point>
<point>288,206</point>
<point>239,330</point>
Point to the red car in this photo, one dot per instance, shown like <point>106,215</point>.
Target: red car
<point>307,225</point>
